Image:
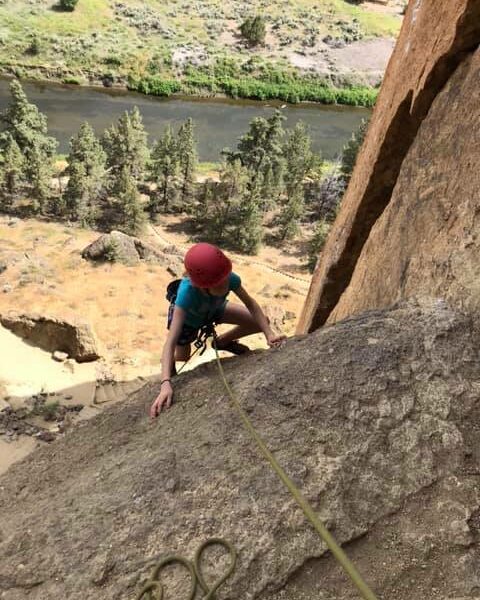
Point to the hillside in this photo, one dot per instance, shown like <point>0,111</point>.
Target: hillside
<point>330,41</point>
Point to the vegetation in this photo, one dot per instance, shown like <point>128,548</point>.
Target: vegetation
<point>159,49</point>
<point>68,5</point>
<point>272,176</point>
<point>254,30</point>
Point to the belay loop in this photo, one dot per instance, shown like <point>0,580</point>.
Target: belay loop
<point>154,590</point>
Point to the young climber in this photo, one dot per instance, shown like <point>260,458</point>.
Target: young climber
<point>201,299</point>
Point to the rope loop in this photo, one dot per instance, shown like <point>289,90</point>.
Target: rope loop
<point>155,590</point>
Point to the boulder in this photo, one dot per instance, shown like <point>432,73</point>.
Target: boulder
<point>119,247</point>
<point>435,39</point>
<point>52,333</point>
<point>114,247</point>
<point>377,420</point>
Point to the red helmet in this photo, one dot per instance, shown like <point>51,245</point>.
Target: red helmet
<point>207,265</point>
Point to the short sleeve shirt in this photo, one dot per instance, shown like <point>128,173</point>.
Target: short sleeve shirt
<point>202,308</point>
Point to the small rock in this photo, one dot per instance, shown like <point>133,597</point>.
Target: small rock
<point>45,436</point>
<point>4,405</point>
<point>59,356</point>
<point>7,288</point>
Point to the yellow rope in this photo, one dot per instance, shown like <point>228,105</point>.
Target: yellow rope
<point>155,589</point>
<point>307,509</point>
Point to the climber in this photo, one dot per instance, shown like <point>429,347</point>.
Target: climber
<point>200,298</point>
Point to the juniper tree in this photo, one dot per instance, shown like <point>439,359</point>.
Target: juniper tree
<point>260,151</point>
<point>11,170</point>
<point>164,167</point>
<point>317,243</point>
<point>254,30</point>
<point>351,149</point>
<point>218,211</point>
<point>27,126</point>
<point>247,232</point>
<point>187,158</point>
<point>86,169</point>
<point>125,145</point>
<point>299,160</point>
<point>131,217</point>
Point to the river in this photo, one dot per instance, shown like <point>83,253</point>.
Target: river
<point>219,122</point>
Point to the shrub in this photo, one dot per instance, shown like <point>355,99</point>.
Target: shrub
<point>254,30</point>
<point>67,5</point>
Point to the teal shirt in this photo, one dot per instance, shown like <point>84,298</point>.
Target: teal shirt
<point>200,307</point>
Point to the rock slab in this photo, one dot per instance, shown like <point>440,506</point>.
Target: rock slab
<point>377,419</point>
<point>74,337</point>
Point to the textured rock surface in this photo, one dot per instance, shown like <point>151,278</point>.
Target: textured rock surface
<point>119,247</point>
<point>435,38</point>
<point>377,419</point>
<point>427,242</point>
<point>51,333</point>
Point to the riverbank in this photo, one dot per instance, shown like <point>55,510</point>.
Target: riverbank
<point>283,87</point>
<point>332,52</point>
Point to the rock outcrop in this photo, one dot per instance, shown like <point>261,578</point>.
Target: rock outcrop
<point>119,247</point>
<point>52,333</point>
<point>377,419</point>
<point>427,242</point>
<point>436,38</point>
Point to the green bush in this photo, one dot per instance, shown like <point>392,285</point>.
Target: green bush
<point>67,5</point>
<point>254,30</point>
<point>155,86</point>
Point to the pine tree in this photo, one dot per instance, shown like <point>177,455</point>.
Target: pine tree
<point>260,150</point>
<point>130,211</point>
<point>11,170</point>
<point>86,168</point>
<point>317,243</point>
<point>218,211</point>
<point>351,149</point>
<point>125,145</point>
<point>247,232</point>
<point>291,214</point>
<point>187,158</point>
<point>299,161</point>
<point>40,173</point>
<point>27,126</point>
<point>164,169</point>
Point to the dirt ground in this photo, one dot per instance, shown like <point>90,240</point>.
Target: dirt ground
<point>125,305</point>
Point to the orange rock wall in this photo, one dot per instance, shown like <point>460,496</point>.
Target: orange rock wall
<point>426,244</point>
<point>436,37</point>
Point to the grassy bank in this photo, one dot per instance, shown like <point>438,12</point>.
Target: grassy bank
<point>298,90</point>
<point>180,46</point>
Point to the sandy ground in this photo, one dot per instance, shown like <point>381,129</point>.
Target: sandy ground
<point>125,306</point>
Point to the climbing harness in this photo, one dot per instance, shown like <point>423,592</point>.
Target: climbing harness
<point>154,590</point>
<point>326,536</point>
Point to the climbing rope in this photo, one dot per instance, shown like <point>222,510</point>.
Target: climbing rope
<point>307,509</point>
<point>154,590</point>
<point>153,586</point>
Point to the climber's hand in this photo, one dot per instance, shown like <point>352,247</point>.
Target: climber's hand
<point>164,399</point>
<point>275,341</point>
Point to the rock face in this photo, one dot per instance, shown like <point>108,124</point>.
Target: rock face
<point>377,419</point>
<point>119,247</point>
<point>51,333</point>
<point>427,242</point>
<point>436,38</point>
